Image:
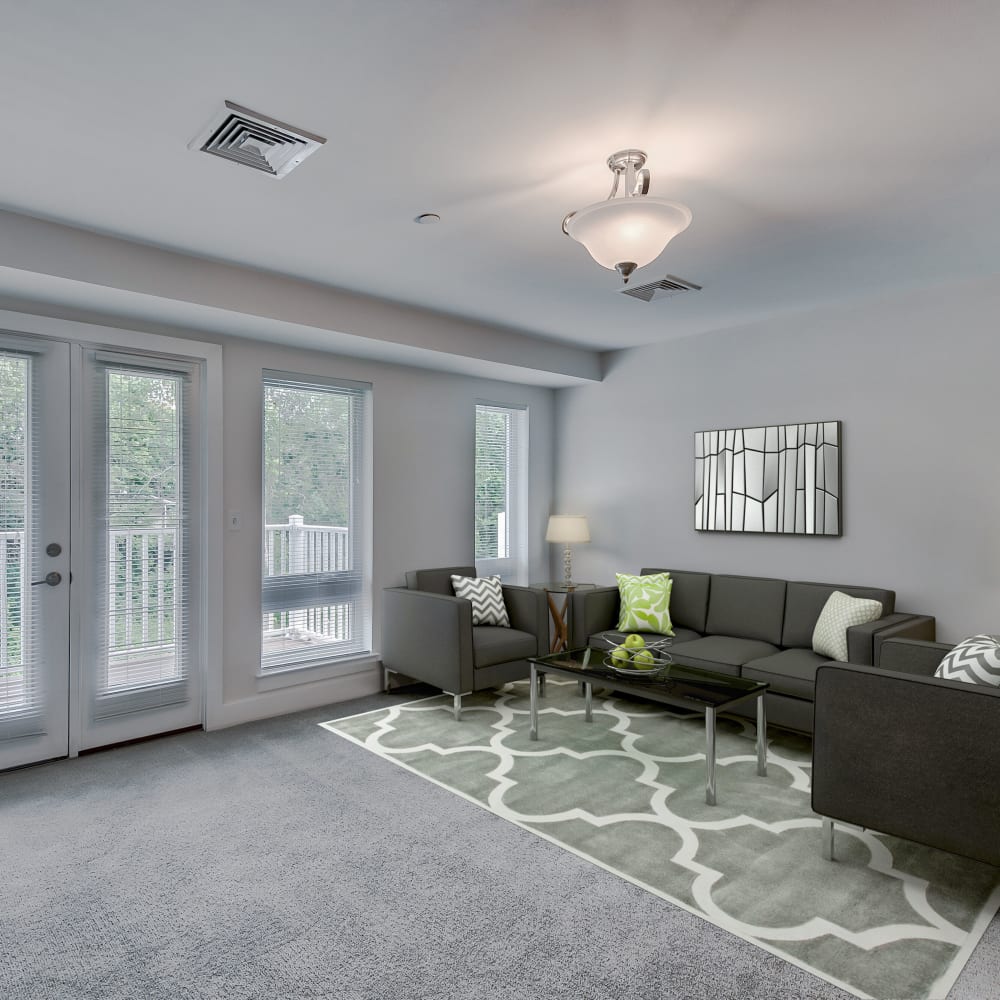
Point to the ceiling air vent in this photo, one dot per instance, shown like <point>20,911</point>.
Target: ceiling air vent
<point>246,137</point>
<point>662,289</point>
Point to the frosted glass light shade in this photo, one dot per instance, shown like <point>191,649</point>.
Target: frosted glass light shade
<point>628,230</point>
<point>567,528</point>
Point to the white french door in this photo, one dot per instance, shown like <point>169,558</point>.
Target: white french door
<point>139,572</point>
<point>100,632</point>
<point>35,546</point>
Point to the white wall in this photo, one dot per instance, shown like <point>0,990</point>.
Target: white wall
<point>424,475</point>
<point>914,380</point>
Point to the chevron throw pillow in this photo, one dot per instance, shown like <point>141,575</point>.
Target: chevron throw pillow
<point>486,596</point>
<point>838,615</point>
<point>975,660</point>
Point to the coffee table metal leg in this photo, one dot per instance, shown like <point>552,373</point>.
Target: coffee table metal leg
<point>588,701</point>
<point>761,737</point>
<point>533,698</point>
<point>710,756</point>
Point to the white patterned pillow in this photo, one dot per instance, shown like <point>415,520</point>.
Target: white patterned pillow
<point>975,660</point>
<point>838,615</point>
<point>486,596</point>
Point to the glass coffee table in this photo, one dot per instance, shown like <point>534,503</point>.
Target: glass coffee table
<point>685,687</point>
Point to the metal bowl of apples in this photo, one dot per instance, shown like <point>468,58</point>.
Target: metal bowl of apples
<point>632,656</point>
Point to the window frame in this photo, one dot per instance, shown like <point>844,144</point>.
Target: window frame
<point>351,586</point>
<point>512,568</point>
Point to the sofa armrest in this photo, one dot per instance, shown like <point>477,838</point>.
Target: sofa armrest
<point>909,756</point>
<point>922,627</point>
<point>911,656</point>
<point>862,640</point>
<point>592,611</point>
<point>528,610</point>
<point>428,637</point>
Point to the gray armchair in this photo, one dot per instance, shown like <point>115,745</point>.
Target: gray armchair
<point>900,751</point>
<point>428,635</point>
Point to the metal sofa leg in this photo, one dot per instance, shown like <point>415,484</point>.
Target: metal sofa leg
<point>385,678</point>
<point>456,702</point>
<point>828,839</point>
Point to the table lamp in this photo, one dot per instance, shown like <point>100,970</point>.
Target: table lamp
<point>567,528</point>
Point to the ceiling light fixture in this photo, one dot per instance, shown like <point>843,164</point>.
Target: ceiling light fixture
<point>624,233</point>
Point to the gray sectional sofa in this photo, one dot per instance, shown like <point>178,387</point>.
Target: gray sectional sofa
<point>754,627</point>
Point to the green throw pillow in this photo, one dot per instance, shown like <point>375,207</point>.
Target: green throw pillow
<point>645,603</point>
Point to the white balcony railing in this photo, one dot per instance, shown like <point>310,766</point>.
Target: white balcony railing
<point>143,597</point>
<point>12,587</point>
<point>297,547</point>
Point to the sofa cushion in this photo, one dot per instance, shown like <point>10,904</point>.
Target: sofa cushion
<point>437,581</point>
<point>611,638</point>
<point>491,644</point>
<point>644,603</point>
<point>840,613</point>
<point>791,672</point>
<point>721,653</point>
<point>975,661</point>
<point>804,602</point>
<point>752,607</point>
<point>688,599</point>
<point>485,594</point>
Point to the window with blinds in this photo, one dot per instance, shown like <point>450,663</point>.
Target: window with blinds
<point>316,585</point>
<point>502,491</point>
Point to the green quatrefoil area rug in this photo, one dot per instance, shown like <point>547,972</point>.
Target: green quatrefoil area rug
<point>888,919</point>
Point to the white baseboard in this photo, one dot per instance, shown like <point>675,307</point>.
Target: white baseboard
<point>268,704</point>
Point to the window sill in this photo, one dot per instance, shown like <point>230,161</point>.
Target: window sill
<point>308,673</point>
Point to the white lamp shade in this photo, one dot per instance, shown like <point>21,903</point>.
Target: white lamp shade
<point>628,230</point>
<point>567,528</point>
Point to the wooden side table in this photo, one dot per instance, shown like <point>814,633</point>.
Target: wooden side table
<point>561,612</point>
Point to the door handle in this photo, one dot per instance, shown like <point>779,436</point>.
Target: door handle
<point>53,579</point>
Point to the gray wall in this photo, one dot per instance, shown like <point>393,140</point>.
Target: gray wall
<point>424,448</point>
<point>914,380</point>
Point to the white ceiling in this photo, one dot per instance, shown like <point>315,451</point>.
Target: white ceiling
<point>828,150</point>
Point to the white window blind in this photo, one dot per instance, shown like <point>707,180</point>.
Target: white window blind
<point>20,672</point>
<point>502,491</point>
<point>138,620</point>
<point>316,586</point>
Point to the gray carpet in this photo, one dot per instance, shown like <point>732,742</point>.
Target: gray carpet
<point>271,861</point>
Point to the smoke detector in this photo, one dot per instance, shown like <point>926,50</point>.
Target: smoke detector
<point>663,289</point>
<point>255,140</point>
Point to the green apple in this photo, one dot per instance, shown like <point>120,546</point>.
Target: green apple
<point>644,660</point>
<point>620,656</point>
<point>634,641</point>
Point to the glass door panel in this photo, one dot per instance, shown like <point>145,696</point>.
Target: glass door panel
<point>136,672</point>
<point>34,550</point>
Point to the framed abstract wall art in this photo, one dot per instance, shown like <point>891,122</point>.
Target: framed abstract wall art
<point>778,480</point>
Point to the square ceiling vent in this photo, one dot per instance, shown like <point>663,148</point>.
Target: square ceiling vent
<point>665,288</point>
<point>255,140</point>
